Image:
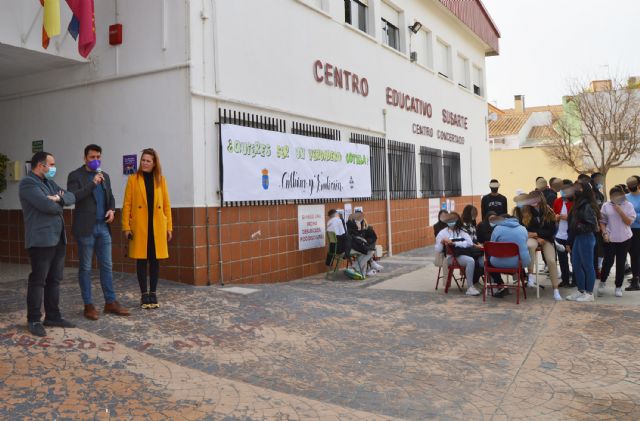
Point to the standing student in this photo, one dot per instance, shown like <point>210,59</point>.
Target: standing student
<point>634,250</point>
<point>147,223</point>
<point>583,224</point>
<point>493,201</point>
<point>42,203</point>
<point>562,206</point>
<point>540,221</point>
<point>92,217</point>
<point>616,218</point>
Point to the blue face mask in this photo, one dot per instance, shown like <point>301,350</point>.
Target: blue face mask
<point>599,186</point>
<point>520,205</point>
<point>51,173</point>
<point>451,224</point>
<point>492,224</point>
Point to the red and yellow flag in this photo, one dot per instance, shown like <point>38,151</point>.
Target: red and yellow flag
<point>50,20</point>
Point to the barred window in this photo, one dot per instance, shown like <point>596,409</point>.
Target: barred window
<point>402,170</point>
<point>377,164</point>
<point>430,172</point>
<point>452,176</point>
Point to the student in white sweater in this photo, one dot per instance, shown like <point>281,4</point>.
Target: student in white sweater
<point>454,234</point>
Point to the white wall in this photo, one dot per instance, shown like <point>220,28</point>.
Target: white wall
<point>127,98</point>
<point>266,52</point>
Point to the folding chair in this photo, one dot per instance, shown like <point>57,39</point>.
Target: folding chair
<point>337,258</point>
<point>439,262</point>
<point>451,268</point>
<point>503,250</point>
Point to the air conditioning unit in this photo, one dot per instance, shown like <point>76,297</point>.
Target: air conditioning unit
<point>413,56</point>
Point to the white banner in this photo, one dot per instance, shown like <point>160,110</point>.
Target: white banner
<point>265,165</point>
<point>311,229</point>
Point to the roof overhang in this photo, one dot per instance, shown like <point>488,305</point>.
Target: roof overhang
<point>475,16</point>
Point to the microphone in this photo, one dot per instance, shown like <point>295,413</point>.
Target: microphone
<point>99,170</point>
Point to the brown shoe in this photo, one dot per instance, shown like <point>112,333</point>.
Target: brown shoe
<point>116,308</point>
<point>90,312</point>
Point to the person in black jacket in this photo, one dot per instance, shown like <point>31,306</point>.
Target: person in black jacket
<point>548,194</point>
<point>540,221</point>
<point>493,201</point>
<point>358,229</point>
<point>597,184</point>
<point>92,217</point>
<point>583,224</point>
<point>439,226</point>
<point>485,229</point>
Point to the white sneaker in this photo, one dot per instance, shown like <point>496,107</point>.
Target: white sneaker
<point>372,272</point>
<point>556,295</point>
<point>574,296</point>
<point>618,292</point>
<point>585,298</point>
<point>375,265</point>
<point>601,287</point>
<point>472,291</point>
<point>531,283</point>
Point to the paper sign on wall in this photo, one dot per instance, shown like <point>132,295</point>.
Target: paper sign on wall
<point>129,164</point>
<point>434,209</point>
<point>266,165</point>
<point>347,211</point>
<point>311,228</point>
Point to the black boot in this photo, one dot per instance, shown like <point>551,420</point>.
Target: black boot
<point>145,301</point>
<point>634,285</point>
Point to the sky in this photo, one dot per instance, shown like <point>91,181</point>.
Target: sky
<point>548,45</point>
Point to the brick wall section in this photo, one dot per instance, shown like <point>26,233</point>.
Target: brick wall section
<point>271,256</point>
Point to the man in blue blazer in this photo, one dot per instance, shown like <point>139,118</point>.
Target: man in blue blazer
<point>42,203</point>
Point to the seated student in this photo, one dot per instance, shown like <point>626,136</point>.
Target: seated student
<point>485,229</point>
<point>540,220</point>
<point>454,235</point>
<point>508,230</point>
<point>335,224</point>
<point>358,229</point>
<point>439,226</point>
<point>469,225</point>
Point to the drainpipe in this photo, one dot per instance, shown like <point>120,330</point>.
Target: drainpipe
<point>388,193</point>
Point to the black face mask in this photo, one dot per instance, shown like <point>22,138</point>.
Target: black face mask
<point>633,189</point>
<point>494,190</point>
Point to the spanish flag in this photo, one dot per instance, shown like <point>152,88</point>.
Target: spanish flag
<point>50,21</point>
<point>83,24</point>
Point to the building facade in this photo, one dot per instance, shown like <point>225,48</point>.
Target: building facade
<point>405,78</point>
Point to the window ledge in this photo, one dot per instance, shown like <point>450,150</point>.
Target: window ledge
<point>315,9</point>
<point>359,32</point>
<point>427,68</point>
<point>464,88</point>
<point>448,79</point>
<point>400,53</point>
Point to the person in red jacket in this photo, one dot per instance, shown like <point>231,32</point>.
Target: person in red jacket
<point>562,206</point>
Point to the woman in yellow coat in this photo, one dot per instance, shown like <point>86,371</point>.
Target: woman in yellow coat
<point>146,222</point>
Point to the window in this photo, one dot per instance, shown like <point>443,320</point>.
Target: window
<point>463,71</point>
<point>378,165</point>
<point>423,46</point>
<point>402,170</point>
<point>451,173</point>
<point>478,81</point>
<point>355,13</point>
<point>390,25</point>
<point>443,59</point>
<point>430,172</point>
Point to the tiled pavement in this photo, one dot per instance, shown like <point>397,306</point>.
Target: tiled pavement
<point>321,350</point>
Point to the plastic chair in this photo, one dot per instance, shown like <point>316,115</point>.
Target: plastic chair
<point>451,268</point>
<point>503,250</point>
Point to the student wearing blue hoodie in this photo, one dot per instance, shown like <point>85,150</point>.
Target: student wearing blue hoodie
<point>508,230</point>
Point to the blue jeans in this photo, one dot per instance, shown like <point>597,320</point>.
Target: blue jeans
<point>100,241</point>
<point>582,260</point>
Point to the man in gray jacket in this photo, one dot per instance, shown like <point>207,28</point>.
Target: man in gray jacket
<point>42,208</point>
<point>94,211</point>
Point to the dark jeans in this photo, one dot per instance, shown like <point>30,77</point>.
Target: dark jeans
<point>634,252</point>
<point>563,258</point>
<point>47,264</point>
<point>582,259</point>
<point>617,251</point>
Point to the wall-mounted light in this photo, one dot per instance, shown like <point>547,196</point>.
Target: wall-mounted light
<point>415,27</point>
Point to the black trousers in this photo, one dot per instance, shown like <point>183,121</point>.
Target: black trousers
<point>47,264</point>
<point>617,251</point>
<point>563,258</point>
<point>152,263</point>
<point>634,252</point>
